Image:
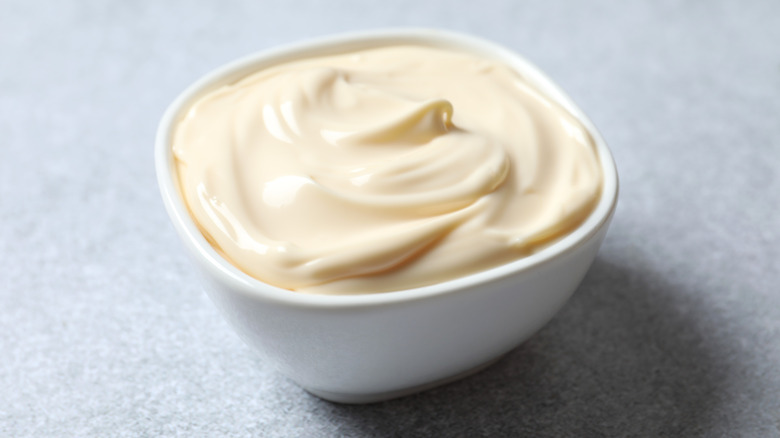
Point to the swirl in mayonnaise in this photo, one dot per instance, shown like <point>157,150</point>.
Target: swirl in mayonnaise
<point>384,169</point>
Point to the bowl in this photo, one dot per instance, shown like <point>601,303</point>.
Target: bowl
<point>374,347</point>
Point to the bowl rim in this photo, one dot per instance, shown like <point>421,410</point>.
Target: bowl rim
<point>209,258</point>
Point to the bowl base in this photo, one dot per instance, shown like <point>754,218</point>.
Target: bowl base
<point>364,398</point>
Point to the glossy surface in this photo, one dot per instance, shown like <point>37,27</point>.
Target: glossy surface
<point>382,169</point>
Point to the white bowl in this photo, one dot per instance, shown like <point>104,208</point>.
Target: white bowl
<point>366,348</point>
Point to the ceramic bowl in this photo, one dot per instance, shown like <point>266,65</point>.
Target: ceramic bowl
<point>366,348</point>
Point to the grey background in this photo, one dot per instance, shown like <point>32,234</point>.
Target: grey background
<point>675,331</point>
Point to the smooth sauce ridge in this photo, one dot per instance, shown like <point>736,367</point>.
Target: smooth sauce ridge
<point>382,170</point>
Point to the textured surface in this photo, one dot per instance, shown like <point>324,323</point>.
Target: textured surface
<point>675,331</point>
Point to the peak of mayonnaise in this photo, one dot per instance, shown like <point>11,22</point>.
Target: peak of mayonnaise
<point>381,170</point>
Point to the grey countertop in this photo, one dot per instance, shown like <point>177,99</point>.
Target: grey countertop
<point>675,331</point>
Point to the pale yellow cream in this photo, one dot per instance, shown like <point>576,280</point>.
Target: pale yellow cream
<point>381,170</point>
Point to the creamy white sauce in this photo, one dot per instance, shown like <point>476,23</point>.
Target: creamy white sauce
<point>382,170</point>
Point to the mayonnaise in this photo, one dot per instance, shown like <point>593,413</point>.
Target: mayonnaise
<point>383,169</point>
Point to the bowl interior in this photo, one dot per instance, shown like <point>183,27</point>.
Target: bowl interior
<point>208,257</point>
